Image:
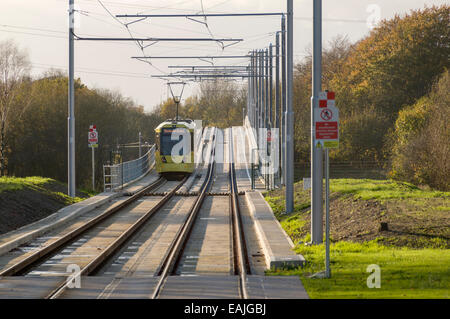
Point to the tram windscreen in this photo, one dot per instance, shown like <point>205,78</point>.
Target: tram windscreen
<point>176,139</point>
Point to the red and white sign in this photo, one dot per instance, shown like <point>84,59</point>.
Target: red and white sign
<point>326,121</point>
<point>269,136</point>
<point>326,114</point>
<point>93,136</point>
<point>326,99</point>
<point>327,131</point>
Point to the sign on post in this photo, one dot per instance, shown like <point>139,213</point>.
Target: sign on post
<point>93,136</point>
<point>326,134</point>
<point>269,136</point>
<point>326,121</point>
<point>93,143</point>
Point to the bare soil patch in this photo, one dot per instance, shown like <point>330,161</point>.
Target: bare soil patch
<point>412,222</point>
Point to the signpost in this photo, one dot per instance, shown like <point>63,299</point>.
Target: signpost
<point>326,120</point>
<point>93,144</point>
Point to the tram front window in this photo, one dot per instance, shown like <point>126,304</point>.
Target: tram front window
<point>176,140</point>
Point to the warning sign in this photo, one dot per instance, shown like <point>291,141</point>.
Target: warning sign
<point>326,123</point>
<point>93,136</point>
<point>327,130</point>
<point>326,99</point>
<point>326,114</point>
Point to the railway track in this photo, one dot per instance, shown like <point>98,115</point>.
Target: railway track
<point>170,260</point>
<point>241,265</point>
<point>43,255</point>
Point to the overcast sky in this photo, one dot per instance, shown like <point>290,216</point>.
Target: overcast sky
<point>40,26</point>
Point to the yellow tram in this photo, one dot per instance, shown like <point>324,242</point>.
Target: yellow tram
<point>174,153</point>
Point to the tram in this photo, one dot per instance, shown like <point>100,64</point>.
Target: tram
<point>174,154</point>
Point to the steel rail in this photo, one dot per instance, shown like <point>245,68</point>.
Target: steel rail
<point>116,244</point>
<point>36,257</point>
<point>174,253</point>
<point>242,264</point>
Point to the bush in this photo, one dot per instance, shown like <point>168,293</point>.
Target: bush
<point>420,147</point>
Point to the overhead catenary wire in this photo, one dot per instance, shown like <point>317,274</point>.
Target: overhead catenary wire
<point>131,35</point>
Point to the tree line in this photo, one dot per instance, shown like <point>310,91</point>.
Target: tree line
<point>33,122</point>
<point>376,81</point>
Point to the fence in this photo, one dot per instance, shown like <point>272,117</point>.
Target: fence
<point>119,175</point>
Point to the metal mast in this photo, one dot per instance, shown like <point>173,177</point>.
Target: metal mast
<point>289,112</point>
<point>316,153</point>
<point>71,112</point>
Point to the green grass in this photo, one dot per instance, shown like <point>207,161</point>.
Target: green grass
<point>382,189</point>
<point>36,183</point>
<point>18,183</point>
<point>405,273</point>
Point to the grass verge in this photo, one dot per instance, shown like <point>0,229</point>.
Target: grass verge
<point>44,185</point>
<point>413,255</point>
<point>405,272</point>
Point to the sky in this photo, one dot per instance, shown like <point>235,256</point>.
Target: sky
<point>41,28</point>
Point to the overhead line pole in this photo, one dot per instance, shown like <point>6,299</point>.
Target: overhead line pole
<point>316,153</point>
<point>260,77</point>
<point>250,112</point>
<point>283,100</point>
<point>289,111</point>
<point>277,98</point>
<point>256,125</point>
<point>71,103</point>
<point>266,100</point>
<point>271,86</point>
<point>271,124</point>
<point>255,89</point>
<point>266,88</point>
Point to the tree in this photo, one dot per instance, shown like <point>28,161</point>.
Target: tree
<point>420,147</point>
<point>14,68</point>
<point>396,63</point>
<point>218,103</point>
<point>333,57</point>
<point>394,66</point>
<point>38,138</point>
